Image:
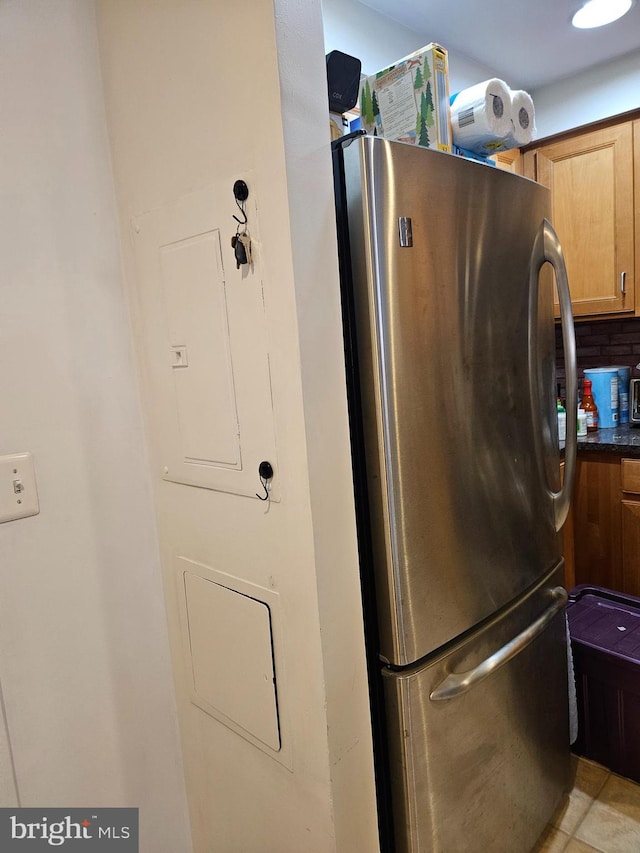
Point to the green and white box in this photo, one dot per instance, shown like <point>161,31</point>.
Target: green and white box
<point>409,101</point>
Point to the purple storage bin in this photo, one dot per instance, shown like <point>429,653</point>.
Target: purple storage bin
<point>605,639</point>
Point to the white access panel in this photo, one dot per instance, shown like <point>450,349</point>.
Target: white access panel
<point>199,350</point>
<point>204,343</point>
<point>232,657</point>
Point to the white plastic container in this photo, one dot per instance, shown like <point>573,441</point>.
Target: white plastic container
<point>582,422</point>
<point>562,424</point>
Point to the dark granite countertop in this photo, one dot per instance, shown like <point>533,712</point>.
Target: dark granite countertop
<point>623,439</point>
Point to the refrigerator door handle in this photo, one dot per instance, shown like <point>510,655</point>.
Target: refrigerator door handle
<point>547,247</point>
<point>456,684</point>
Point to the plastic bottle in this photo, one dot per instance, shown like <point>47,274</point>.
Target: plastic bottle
<point>562,421</point>
<point>588,405</point>
<point>582,422</point>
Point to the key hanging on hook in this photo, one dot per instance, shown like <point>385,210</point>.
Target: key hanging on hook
<point>241,245</point>
<point>241,242</point>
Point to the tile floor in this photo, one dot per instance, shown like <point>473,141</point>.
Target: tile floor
<point>600,815</point>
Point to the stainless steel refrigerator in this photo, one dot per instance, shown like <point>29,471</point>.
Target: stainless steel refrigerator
<point>450,346</point>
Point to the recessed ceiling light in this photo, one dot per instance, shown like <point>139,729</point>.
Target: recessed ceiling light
<point>597,13</point>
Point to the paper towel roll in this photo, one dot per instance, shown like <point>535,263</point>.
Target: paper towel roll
<point>481,116</point>
<point>522,119</point>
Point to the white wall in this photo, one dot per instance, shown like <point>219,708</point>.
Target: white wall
<point>83,644</point>
<point>197,94</point>
<point>315,268</point>
<point>604,91</point>
<point>377,42</point>
<point>8,785</point>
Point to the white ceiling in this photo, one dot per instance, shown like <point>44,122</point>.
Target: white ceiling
<point>528,42</point>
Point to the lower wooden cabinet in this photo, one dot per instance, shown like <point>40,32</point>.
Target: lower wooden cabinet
<point>606,522</point>
<point>630,476</point>
<point>568,539</point>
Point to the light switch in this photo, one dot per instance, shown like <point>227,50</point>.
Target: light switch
<point>18,492</point>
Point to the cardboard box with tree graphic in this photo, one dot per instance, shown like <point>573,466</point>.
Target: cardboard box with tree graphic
<point>409,101</point>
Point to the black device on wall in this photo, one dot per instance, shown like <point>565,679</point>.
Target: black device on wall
<point>343,81</point>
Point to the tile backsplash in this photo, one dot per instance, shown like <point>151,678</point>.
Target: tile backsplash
<point>601,344</point>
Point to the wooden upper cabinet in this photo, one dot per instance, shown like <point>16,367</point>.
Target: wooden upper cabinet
<point>636,202</point>
<point>509,160</point>
<point>590,176</point>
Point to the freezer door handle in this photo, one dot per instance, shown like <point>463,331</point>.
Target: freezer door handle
<point>547,248</point>
<point>458,683</point>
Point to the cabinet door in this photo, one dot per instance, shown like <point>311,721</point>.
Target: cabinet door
<point>568,548</point>
<point>596,519</point>
<point>510,160</point>
<point>631,547</point>
<point>636,202</point>
<point>591,181</point>
<point>630,469</point>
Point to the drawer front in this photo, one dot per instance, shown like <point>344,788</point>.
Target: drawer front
<point>482,771</point>
<point>631,475</point>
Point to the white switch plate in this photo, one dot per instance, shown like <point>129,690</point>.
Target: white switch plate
<point>18,492</point>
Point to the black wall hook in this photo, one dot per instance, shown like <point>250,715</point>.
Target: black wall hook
<point>241,194</point>
<point>265,472</point>
<point>240,221</point>
<point>240,191</point>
